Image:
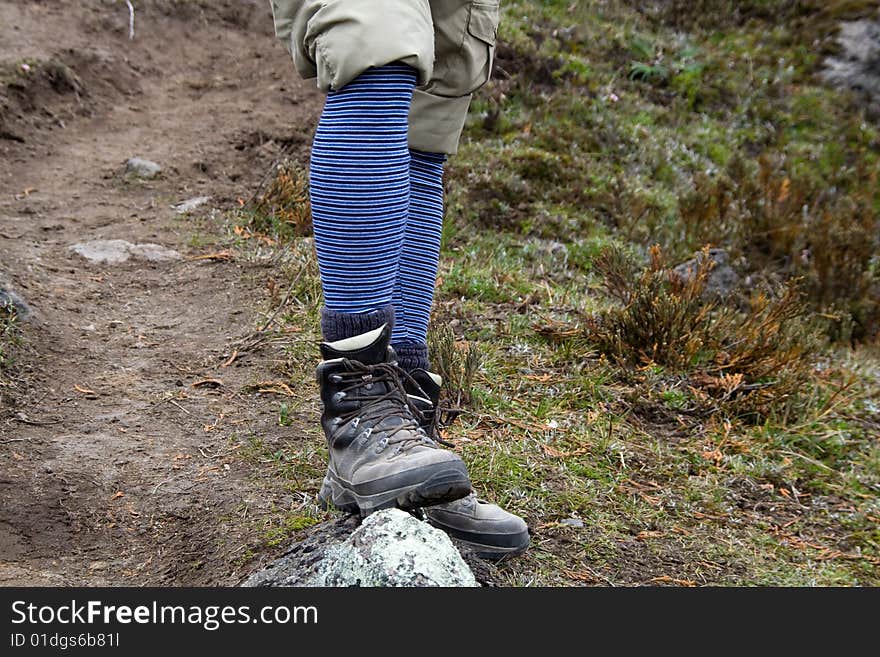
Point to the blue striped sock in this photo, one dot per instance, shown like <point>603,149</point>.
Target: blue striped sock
<point>360,185</point>
<point>414,291</point>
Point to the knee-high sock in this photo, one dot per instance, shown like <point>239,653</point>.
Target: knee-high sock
<point>360,190</point>
<point>417,274</point>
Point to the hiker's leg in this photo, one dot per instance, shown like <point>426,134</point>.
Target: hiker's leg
<point>368,55</point>
<point>464,42</point>
<point>360,187</point>
<point>419,258</point>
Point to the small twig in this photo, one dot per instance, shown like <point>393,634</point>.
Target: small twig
<point>180,407</point>
<point>13,440</point>
<point>130,20</point>
<point>284,301</point>
<point>807,459</point>
<point>161,483</point>
<point>224,256</point>
<point>212,456</point>
<point>274,387</point>
<point>231,359</point>
<point>210,383</point>
<point>251,340</point>
<point>21,417</point>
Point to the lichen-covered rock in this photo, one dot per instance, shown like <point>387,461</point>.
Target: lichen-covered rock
<point>389,548</point>
<point>392,548</point>
<point>721,279</point>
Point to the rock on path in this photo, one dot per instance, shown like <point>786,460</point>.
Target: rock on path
<point>389,548</point>
<point>114,252</point>
<point>142,168</point>
<point>190,204</point>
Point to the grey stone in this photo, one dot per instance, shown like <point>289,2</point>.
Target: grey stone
<point>572,522</point>
<point>153,252</point>
<point>142,168</point>
<point>9,299</point>
<point>114,252</point>
<point>721,280</point>
<point>389,548</point>
<point>857,65</point>
<point>190,204</point>
<point>109,252</point>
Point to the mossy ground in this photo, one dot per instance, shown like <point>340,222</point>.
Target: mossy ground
<point>689,125</point>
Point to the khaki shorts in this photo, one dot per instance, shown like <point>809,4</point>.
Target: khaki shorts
<point>451,43</point>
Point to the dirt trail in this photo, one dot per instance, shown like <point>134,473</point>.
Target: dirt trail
<point>114,468</point>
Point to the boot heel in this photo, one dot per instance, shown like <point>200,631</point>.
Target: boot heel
<point>333,496</point>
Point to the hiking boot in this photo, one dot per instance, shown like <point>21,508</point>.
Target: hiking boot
<point>492,532</point>
<point>489,530</point>
<point>379,455</point>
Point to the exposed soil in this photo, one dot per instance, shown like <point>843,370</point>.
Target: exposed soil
<point>114,467</point>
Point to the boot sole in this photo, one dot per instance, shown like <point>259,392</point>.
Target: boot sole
<point>488,551</point>
<point>440,486</point>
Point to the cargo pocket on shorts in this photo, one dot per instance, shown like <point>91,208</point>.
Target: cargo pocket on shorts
<point>482,32</point>
<point>465,49</point>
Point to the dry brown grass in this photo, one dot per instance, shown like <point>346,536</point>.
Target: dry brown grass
<point>457,362</point>
<point>751,362</point>
<point>282,208</point>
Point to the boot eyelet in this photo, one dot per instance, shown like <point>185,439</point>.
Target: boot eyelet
<point>335,378</point>
<point>338,397</point>
<point>355,422</point>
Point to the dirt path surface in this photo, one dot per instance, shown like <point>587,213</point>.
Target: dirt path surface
<point>114,467</point>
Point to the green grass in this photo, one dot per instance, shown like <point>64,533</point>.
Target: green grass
<point>297,464</point>
<point>294,466</point>
<point>289,524</point>
<point>612,128</point>
<point>602,120</point>
<point>9,339</point>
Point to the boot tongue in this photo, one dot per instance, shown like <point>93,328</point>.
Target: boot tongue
<point>429,383</point>
<point>369,348</point>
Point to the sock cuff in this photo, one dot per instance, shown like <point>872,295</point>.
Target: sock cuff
<point>412,355</point>
<point>337,325</point>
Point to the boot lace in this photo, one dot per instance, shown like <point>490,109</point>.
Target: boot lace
<point>389,401</point>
